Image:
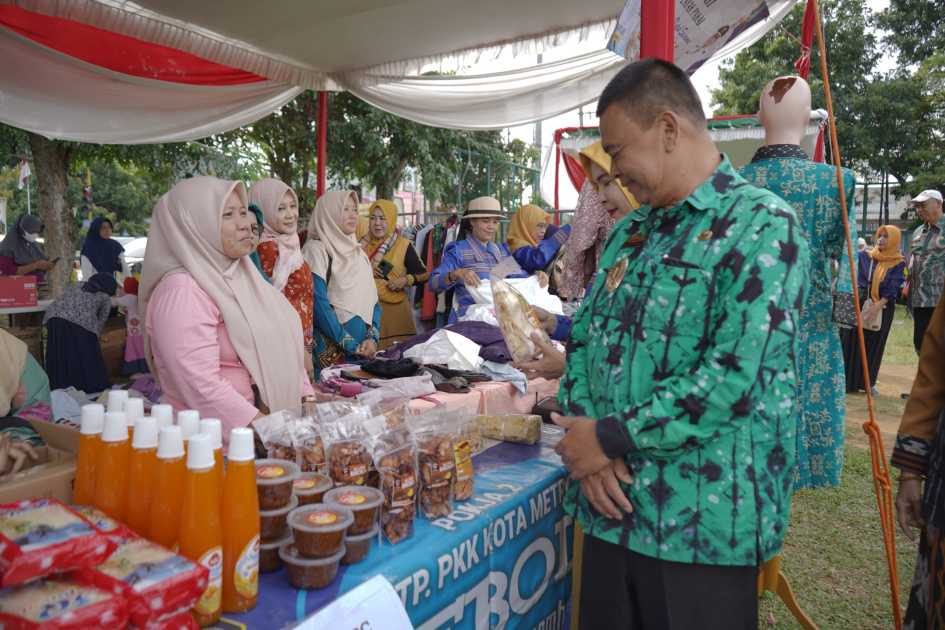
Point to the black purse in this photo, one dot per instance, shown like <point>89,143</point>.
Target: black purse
<point>844,309</point>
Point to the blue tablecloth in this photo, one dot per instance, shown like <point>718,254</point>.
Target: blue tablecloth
<point>501,558</point>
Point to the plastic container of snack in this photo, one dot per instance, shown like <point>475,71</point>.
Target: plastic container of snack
<point>319,529</point>
<point>269,560</point>
<point>363,501</point>
<point>274,479</point>
<point>272,523</point>
<point>358,546</point>
<point>310,573</point>
<point>311,487</point>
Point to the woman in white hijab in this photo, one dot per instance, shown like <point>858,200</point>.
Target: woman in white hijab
<point>220,338</point>
<point>347,311</point>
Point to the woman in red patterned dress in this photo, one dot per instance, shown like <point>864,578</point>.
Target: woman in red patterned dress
<point>281,254</point>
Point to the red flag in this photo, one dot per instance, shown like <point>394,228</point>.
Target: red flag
<point>802,65</point>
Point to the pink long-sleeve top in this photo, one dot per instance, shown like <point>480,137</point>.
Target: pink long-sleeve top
<point>196,362</point>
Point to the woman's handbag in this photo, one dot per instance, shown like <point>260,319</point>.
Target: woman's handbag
<point>844,311</point>
<point>874,322</point>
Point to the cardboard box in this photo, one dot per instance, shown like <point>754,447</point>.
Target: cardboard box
<point>54,475</point>
<point>18,291</point>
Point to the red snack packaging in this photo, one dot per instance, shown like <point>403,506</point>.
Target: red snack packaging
<point>60,605</point>
<point>182,621</point>
<point>103,522</point>
<point>39,537</point>
<point>157,584</point>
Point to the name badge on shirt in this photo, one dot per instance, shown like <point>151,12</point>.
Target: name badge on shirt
<point>616,274</point>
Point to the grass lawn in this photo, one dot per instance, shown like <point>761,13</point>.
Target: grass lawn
<point>833,555</point>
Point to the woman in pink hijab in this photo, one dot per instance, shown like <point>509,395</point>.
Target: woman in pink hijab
<point>219,338</point>
<point>281,254</point>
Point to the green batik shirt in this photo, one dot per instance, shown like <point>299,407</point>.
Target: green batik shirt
<point>687,361</point>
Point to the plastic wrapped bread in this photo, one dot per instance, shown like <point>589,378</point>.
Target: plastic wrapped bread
<point>518,428</point>
<point>517,320</point>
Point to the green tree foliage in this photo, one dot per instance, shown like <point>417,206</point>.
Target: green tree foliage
<point>914,28</point>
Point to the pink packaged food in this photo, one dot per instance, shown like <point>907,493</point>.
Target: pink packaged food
<point>39,537</point>
<point>157,584</point>
<point>60,605</point>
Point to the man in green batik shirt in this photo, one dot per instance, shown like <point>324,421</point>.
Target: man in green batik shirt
<point>681,377</point>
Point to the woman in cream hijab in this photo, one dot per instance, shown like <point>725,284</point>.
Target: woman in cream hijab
<point>347,312</point>
<point>280,252</point>
<point>219,338</point>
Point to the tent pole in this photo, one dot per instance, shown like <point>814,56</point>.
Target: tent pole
<point>322,141</point>
<point>657,29</point>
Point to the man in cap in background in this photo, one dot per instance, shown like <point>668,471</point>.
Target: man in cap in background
<point>927,265</point>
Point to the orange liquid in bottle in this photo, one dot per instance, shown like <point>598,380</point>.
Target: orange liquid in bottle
<point>111,478</point>
<point>219,469</point>
<point>140,484</point>
<point>240,538</point>
<point>164,513</point>
<point>89,454</point>
<point>200,537</point>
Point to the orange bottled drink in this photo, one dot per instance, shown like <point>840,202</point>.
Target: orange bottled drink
<point>169,473</point>
<point>141,467</point>
<point>189,422</point>
<point>90,442</point>
<point>163,415</point>
<point>241,529</point>
<point>111,468</point>
<point>214,428</point>
<point>200,537</point>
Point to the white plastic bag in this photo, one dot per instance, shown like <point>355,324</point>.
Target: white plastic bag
<point>447,348</point>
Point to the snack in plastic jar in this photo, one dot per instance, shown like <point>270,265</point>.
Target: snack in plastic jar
<point>272,523</point>
<point>319,529</point>
<point>60,605</point>
<point>309,573</point>
<point>274,479</point>
<point>518,428</point>
<point>103,522</point>
<point>39,537</point>
<point>363,502</point>
<point>269,560</point>
<point>395,456</point>
<point>156,583</point>
<point>311,487</point>
<point>357,547</point>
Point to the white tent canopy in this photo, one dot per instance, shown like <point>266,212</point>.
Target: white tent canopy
<point>377,49</point>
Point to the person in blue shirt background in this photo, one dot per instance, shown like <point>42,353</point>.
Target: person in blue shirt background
<point>533,242</point>
<point>468,260</point>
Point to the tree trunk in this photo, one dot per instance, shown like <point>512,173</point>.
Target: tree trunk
<point>51,160</point>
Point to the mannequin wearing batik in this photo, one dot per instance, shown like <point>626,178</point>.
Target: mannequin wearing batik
<point>784,168</point>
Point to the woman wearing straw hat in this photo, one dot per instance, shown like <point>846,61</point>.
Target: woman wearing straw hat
<point>469,260</point>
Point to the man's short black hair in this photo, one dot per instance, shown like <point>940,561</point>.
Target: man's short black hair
<point>647,88</point>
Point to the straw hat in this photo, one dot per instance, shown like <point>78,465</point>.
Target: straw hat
<point>484,208</point>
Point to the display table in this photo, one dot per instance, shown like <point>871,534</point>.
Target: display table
<point>502,559</point>
<point>489,398</point>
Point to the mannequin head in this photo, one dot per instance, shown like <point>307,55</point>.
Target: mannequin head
<point>784,110</point>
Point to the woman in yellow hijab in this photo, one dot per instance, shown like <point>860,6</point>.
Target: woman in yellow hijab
<point>533,243</point>
<point>396,267</point>
<point>880,275</point>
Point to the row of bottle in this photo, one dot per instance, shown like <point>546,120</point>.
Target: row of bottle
<point>168,483</point>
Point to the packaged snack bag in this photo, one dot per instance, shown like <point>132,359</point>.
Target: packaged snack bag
<point>435,433</point>
<point>517,320</point>
<point>346,440</point>
<point>60,605</point>
<point>517,428</point>
<point>39,537</point>
<point>395,457</point>
<point>103,522</point>
<point>157,584</point>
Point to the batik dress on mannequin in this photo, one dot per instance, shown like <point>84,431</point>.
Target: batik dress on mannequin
<point>783,167</point>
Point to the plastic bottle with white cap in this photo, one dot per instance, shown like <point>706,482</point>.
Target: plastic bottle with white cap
<point>144,443</point>
<point>163,415</point>
<point>241,534</point>
<point>189,422</point>
<point>201,538</point>
<point>169,474</point>
<point>116,400</point>
<point>111,469</point>
<point>214,428</point>
<point>134,409</point>
<point>90,443</point>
